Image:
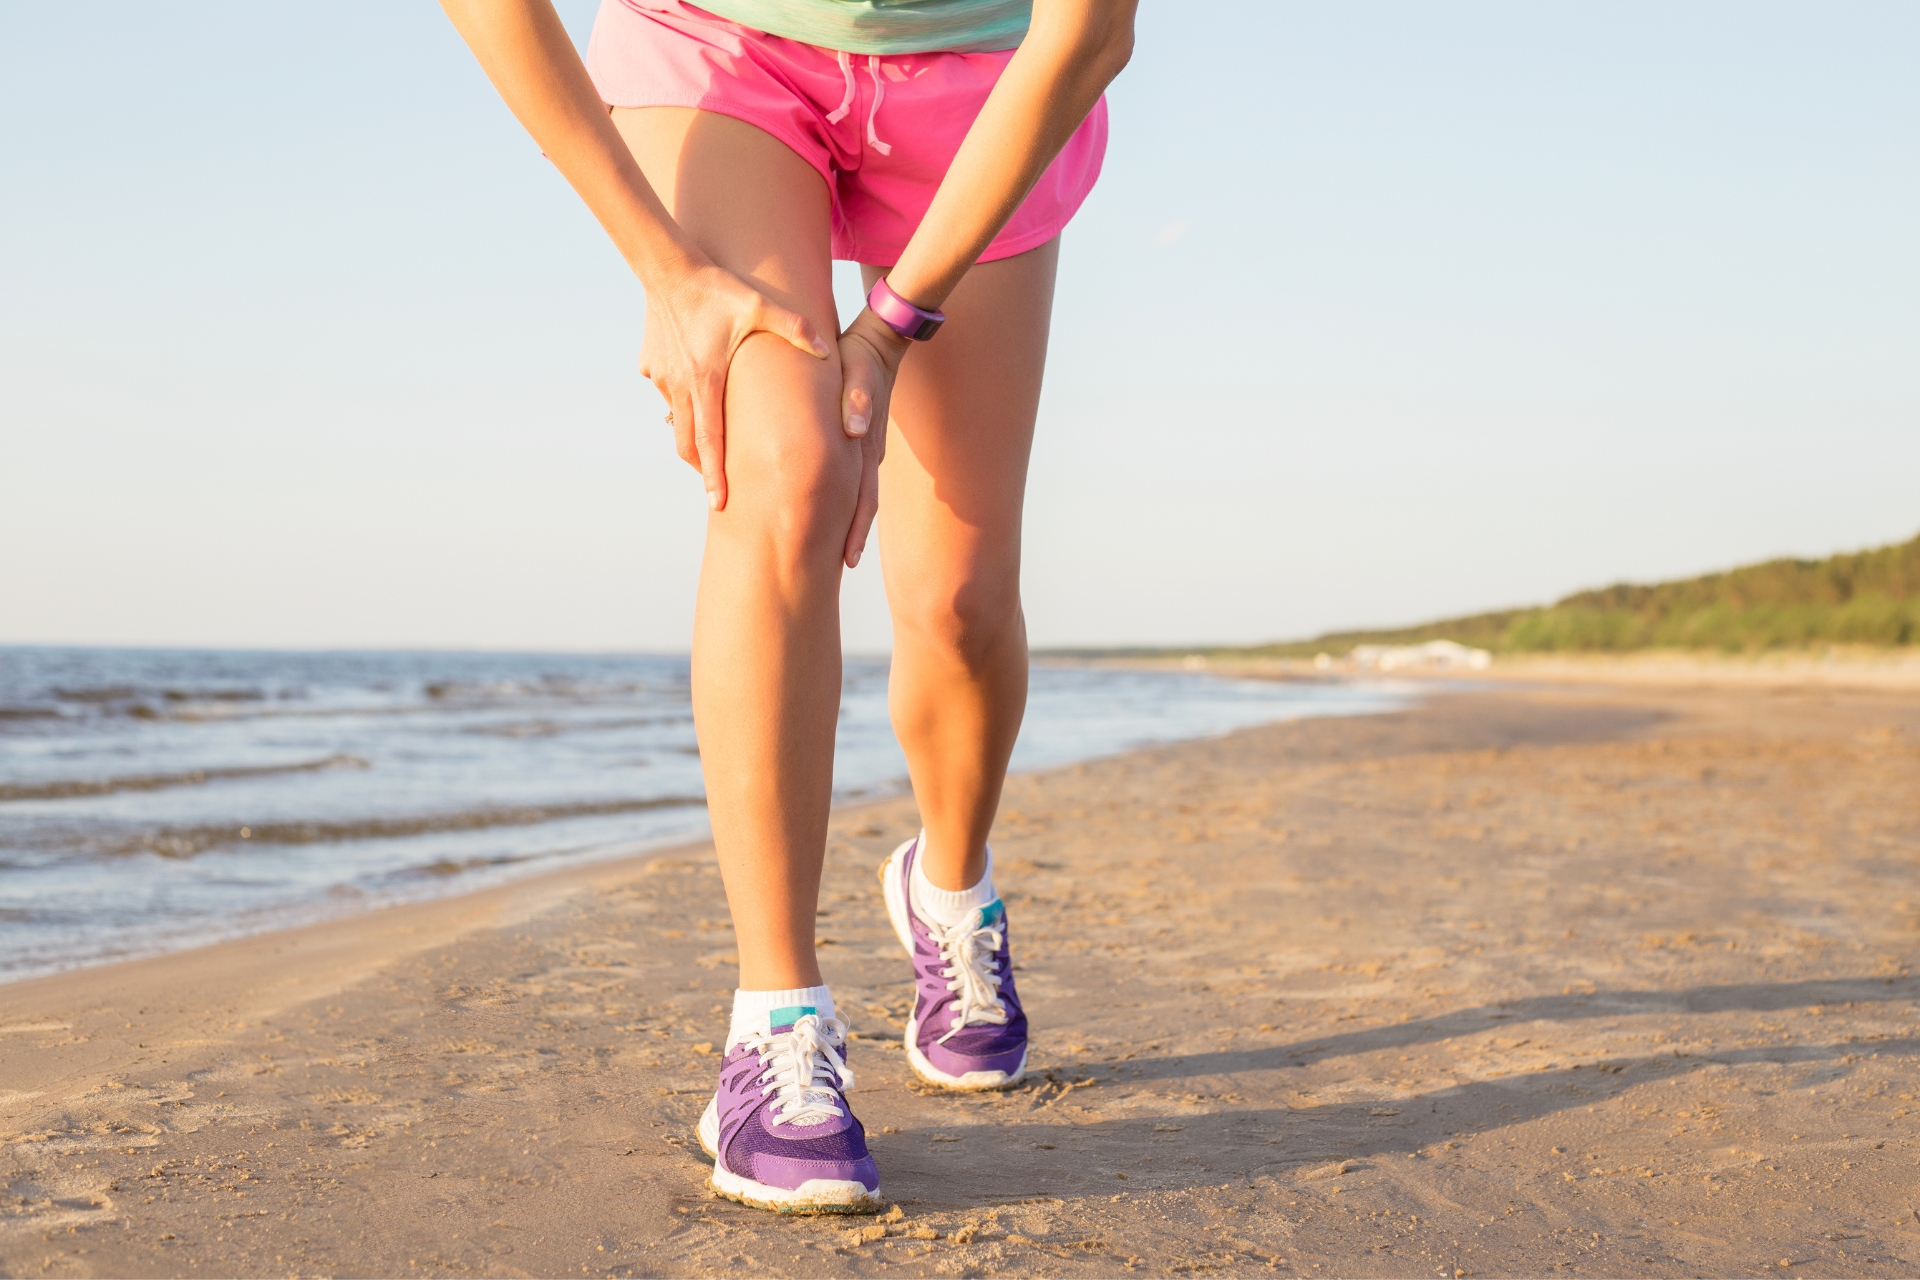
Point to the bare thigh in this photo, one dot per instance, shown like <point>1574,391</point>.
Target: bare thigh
<point>961,432</point>
<point>762,212</point>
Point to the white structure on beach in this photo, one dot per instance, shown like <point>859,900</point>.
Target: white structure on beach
<point>1434,655</point>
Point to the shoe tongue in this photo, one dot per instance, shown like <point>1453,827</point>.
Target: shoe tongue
<point>990,914</point>
<point>779,1020</point>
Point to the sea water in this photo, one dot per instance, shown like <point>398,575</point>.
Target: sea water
<point>157,799</point>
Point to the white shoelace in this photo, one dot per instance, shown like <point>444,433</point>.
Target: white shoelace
<point>973,970</point>
<point>839,113</point>
<point>801,1066</point>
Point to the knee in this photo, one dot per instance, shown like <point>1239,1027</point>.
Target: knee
<point>792,473</point>
<point>969,622</point>
<point>805,498</point>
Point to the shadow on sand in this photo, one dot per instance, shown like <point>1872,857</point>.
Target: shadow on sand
<point>1170,1151</point>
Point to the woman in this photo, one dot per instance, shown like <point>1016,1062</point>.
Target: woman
<point>731,152</point>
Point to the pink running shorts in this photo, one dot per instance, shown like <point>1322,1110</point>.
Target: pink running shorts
<point>880,130</point>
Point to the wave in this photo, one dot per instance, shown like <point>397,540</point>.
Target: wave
<point>113,702</point>
<point>213,695</point>
<point>67,788</point>
<point>98,693</point>
<point>138,702</point>
<point>549,728</point>
<point>188,842</point>
<point>441,868</point>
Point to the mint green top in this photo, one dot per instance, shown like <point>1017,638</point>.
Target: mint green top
<point>885,26</point>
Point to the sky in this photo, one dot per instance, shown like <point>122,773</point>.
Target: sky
<point>1381,312</point>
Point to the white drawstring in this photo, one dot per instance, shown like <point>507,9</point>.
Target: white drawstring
<point>873,112</point>
<point>839,113</point>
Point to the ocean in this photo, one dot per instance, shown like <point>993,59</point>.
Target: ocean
<point>158,799</point>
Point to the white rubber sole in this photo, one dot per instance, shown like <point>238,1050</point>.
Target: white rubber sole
<point>815,1195</point>
<point>967,1082</point>
<point>893,889</point>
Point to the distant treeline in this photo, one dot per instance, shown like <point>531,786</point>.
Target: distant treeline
<point>1864,598</point>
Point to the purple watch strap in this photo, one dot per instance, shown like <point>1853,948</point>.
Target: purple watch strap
<point>902,316</point>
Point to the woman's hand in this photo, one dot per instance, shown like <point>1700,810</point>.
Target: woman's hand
<point>697,313</point>
<point>870,355</point>
<point>697,317</point>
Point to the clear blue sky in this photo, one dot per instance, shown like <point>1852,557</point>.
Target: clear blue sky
<point>1382,311</point>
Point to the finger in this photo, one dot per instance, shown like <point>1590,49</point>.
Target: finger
<point>856,404</point>
<point>867,505</point>
<point>682,416</point>
<point>795,328</point>
<point>710,436</point>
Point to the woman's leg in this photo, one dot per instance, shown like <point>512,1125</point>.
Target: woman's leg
<point>766,641</point>
<point>952,488</point>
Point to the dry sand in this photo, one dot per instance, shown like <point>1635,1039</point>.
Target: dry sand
<point>1604,981</point>
<point>1837,667</point>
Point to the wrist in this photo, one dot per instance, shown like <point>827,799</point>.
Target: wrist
<point>880,335</point>
<point>669,271</point>
<point>903,317</point>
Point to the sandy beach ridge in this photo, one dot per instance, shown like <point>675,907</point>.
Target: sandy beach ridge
<point>1894,670</point>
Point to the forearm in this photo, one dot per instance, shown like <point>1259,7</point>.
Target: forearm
<point>1070,55</point>
<point>526,53</point>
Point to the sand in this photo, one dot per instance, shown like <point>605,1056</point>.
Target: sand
<point>1531,979</point>
<point>1837,667</point>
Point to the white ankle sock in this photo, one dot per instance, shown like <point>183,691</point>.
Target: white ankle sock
<point>948,906</point>
<point>750,1008</point>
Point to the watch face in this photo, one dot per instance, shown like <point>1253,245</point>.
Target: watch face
<point>901,316</point>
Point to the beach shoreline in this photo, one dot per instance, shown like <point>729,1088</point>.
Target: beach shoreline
<point>1535,975</point>
<point>153,801</point>
<point>1851,668</point>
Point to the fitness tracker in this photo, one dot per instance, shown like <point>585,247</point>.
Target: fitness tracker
<point>901,316</point>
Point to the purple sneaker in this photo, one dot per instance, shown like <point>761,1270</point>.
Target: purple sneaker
<point>967,1030</point>
<point>779,1128</point>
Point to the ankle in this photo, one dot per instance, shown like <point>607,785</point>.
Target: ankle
<point>950,905</point>
<point>935,865</point>
<point>752,1009</point>
<point>782,974</point>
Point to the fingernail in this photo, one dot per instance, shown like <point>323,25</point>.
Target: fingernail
<point>856,424</point>
<point>853,561</point>
<point>821,349</point>
<point>713,499</point>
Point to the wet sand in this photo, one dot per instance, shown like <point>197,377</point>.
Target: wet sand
<point>1596,979</point>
